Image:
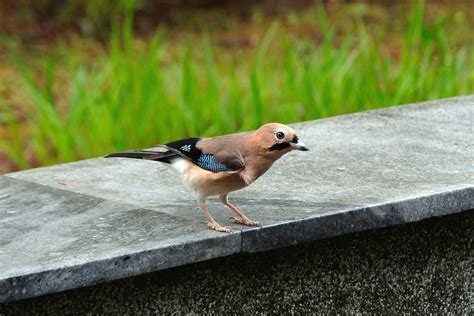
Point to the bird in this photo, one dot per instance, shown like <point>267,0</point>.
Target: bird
<point>219,165</point>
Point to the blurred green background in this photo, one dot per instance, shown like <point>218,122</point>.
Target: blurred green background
<point>80,79</point>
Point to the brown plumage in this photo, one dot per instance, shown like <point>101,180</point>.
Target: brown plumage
<point>219,165</point>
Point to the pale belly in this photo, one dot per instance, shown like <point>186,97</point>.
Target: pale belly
<point>208,183</point>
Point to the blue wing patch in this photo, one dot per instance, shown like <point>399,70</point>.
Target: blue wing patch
<point>207,161</point>
<point>187,148</point>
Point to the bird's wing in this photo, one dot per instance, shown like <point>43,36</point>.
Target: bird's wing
<point>212,158</point>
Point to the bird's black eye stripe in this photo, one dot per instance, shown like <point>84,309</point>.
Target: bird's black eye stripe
<point>280,135</point>
<point>295,139</point>
<point>280,146</point>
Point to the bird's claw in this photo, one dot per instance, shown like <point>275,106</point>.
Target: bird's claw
<point>245,221</point>
<point>219,228</point>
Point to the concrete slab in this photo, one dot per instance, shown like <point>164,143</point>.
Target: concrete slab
<point>364,171</point>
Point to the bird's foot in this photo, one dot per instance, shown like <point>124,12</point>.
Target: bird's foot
<point>219,228</point>
<point>245,221</point>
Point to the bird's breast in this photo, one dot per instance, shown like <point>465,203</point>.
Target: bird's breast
<point>255,167</point>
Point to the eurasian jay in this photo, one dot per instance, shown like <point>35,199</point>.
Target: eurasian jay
<point>219,165</point>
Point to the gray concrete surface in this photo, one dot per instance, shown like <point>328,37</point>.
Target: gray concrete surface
<point>417,268</point>
<point>71,225</point>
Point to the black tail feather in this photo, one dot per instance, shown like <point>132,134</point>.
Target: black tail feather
<point>144,154</point>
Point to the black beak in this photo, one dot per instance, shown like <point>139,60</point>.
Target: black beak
<point>298,145</point>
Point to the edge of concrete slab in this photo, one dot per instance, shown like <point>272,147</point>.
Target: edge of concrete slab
<point>253,240</point>
<point>353,220</point>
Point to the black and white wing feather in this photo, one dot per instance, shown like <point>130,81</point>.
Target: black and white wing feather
<point>188,148</point>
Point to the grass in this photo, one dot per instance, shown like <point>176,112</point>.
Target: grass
<point>134,95</point>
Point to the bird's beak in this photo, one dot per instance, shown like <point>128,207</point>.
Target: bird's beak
<point>299,145</point>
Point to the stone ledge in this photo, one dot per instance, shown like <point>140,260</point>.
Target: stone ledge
<point>416,268</point>
<point>76,224</point>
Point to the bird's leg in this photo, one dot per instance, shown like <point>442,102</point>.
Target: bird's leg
<point>212,224</point>
<point>244,220</point>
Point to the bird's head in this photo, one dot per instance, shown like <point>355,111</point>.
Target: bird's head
<point>278,139</point>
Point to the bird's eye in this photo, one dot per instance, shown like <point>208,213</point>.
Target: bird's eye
<point>280,135</point>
